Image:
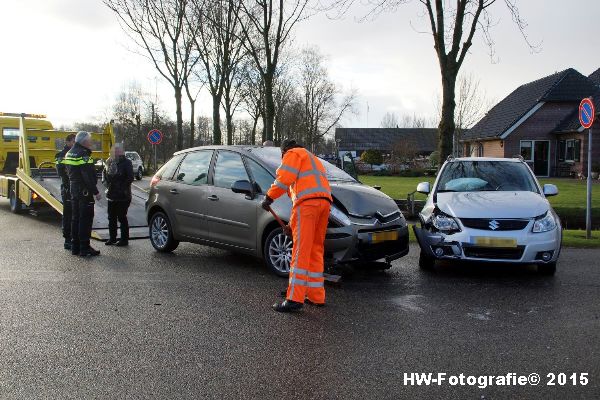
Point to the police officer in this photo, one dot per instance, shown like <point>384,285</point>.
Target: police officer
<point>82,176</point>
<point>118,177</point>
<point>65,189</point>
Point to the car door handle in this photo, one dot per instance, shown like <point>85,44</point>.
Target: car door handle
<point>213,197</point>
<point>174,191</point>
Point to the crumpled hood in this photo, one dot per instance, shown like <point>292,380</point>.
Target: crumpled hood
<point>492,204</point>
<point>362,200</point>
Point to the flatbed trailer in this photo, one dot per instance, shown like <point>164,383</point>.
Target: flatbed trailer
<point>30,181</point>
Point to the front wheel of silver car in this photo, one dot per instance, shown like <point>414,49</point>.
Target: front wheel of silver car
<point>161,234</point>
<point>277,252</point>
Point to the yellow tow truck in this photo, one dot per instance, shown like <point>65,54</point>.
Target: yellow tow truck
<point>28,178</point>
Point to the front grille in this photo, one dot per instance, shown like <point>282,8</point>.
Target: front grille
<point>494,253</point>
<point>380,229</point>
<point>388,218</point>
<point>491,224</point>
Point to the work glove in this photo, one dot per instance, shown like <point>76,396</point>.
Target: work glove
<point>266,203</point>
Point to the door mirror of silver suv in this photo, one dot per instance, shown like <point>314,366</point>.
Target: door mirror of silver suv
<point>423,187</point>
<point>244,187</point>
<point>550,190</point>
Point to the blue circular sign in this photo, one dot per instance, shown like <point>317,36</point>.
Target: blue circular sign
<point>586,113</point>
<point>155,136</point>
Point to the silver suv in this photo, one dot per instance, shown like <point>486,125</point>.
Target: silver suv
<point>211,195</point>
<point>489,209</point>
<point>138,164</point>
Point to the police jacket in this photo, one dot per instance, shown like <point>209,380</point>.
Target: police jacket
<point>80,167</point>
<point>118,176</point>
<point>61,168</point>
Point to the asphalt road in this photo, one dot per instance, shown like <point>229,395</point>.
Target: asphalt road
<point>197,324</point>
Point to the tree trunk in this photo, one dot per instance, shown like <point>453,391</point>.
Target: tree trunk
<point>253,138</point>
<point>269,107</point>
<point>192,122</point>
<point>216,120</point>
<point>229,123</point>
<point>447,125</point>
<point>179,118</point>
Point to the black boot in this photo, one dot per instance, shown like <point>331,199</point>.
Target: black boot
<point>89,252</point>
<point>287,306</point>
<point>123,243</point>
<point>67,244</point>
<point>75,248</point>
<point>110,242</point>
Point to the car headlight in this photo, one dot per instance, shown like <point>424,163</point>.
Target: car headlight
<point>544,223</point>
<point>338,218</point>
<point>444,223</point>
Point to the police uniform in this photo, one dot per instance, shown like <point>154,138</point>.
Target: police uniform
<point>83,179</point>
<point>65,193</point>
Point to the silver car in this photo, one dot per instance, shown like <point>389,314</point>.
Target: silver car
<point>489,209</point>
<point>138,164</point>
<point>211,195</point>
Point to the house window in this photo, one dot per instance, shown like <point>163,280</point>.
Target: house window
<point>526,150</point>
<point>569,150</point>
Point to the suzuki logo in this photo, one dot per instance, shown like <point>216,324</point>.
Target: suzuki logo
<point>494,225</point>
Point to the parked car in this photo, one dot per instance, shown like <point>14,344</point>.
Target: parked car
<point>489,209</point>
<point>138,164</point>
<point>211,195</point>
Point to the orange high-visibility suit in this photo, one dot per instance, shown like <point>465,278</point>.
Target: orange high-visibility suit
<point>303,177</point>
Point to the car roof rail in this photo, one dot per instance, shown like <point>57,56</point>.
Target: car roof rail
<point>520,157</point>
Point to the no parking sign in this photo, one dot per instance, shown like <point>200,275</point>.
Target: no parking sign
<point>155,136</point>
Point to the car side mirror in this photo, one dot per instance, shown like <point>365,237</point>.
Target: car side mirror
<point>244,187</point>
<point>424,187</point>
<point>550,190</point>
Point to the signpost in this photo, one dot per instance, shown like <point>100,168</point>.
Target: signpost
<point>155,138</point>
<point>586,118</point>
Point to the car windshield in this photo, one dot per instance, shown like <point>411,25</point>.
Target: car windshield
<point>272,157</point>
<point>479,176</point>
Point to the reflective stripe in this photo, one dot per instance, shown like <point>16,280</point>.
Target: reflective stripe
<point>302,282</point>
<point>308,273</point>
<point>313,190</point>
<point>77,160</point>
<point>288,169</point>
<point>311,172</point>
<point>281,185</point>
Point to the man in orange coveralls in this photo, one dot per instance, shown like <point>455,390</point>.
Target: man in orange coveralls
<point>302,176</point>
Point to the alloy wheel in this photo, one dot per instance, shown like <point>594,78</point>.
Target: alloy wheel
<point>280,253</point>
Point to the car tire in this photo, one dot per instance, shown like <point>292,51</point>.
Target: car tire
<point>426,263</point>
<point>161,233</point>
<point>547,269</point>
<point>140,174</point>
<point>16,206</point>
<point>277,252</point>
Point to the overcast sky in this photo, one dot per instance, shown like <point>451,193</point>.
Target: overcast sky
<point>69,58</point>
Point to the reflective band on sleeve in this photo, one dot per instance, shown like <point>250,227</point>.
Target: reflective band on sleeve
<point>288,169</point>
<point>281,185</point>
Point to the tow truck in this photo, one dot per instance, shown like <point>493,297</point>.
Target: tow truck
<point>28,177</point>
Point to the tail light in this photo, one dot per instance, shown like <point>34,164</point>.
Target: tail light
<point>155,180</point>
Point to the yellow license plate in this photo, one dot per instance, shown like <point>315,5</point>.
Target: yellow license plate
<point>377,237</point>
<point>495,242</point>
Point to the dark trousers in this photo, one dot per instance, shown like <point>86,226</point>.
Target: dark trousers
<point>66,217</point>
<point>81,222</point>
<point>117,211</point>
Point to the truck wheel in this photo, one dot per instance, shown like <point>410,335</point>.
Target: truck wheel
<point>161,234</point>
<point>547,269</point>
<point>16,206</point>
<point>426,262</point>
<point>140,174</point>
<point>277,252</point>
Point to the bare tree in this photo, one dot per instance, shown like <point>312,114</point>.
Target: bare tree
<point>390,120</point>
<point>252,95</point>
<point>453,26</point>
<point>159,27</point>
<point>266,26</point>
<point>324,103</point>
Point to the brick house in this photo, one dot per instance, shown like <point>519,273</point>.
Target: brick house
<point>539,121</point>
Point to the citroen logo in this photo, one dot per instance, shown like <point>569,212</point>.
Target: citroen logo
<point>494,224</point>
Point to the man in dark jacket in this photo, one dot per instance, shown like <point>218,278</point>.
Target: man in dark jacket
<point>65,189</point>
<point>82,176</point>
<point>118,176</point>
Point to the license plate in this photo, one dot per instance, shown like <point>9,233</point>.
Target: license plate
<point>377,237</point>
<point>495,242</point>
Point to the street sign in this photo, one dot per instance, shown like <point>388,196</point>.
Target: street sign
<point>155,136</point>
<point>586,113</point>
